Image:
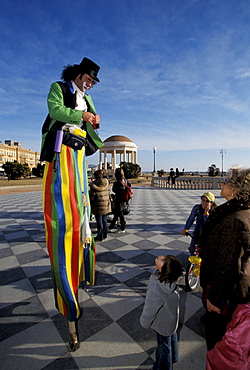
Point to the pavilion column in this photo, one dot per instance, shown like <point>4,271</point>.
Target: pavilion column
<point>135,156</point>
<point>114,159</point>
<point>100,160</point>
<point>105,161</point>
<point>124,155</point>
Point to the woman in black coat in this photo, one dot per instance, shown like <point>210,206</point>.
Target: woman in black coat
<point>119,202</point>
<point>224,239</point>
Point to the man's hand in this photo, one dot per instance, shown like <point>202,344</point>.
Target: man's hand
<point>212,308</point>
<point>91,118</point>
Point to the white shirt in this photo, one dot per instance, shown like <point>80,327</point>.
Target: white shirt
<point>80,105</point>
<point>80,99</point>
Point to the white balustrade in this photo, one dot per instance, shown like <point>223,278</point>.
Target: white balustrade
<point>193,182</point>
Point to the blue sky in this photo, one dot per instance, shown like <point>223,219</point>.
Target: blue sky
<point>175,74</point>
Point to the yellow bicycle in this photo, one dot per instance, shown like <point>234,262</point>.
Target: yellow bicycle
<point>192,276</point>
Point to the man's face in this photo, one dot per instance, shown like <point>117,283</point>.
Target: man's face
<point>84,82</point>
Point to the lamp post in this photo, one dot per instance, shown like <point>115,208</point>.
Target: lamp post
<point>222,152</point>
<point>154,149</point>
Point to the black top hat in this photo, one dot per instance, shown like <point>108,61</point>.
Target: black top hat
<point>89,67</point>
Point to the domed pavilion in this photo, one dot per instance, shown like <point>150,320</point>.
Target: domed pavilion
<point>120,149</point>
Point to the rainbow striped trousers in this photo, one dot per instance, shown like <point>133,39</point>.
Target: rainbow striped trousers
<point>66,214</point>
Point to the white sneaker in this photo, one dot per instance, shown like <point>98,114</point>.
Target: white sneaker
<point>120,231</point>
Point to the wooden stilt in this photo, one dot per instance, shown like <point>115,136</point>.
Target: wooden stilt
<point>74,344</point>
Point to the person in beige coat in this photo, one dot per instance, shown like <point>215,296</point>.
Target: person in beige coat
<point>100,203</point>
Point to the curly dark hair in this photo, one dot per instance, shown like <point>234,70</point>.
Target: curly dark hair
<point>171,270</point>
<point>70,72</point>
<point>239,179</point>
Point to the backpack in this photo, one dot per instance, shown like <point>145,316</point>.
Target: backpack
<point>127,192</point>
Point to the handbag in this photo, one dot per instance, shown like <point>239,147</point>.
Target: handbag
<point>126,210</point>
<point>73,141</point>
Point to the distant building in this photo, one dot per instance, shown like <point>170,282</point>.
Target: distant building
<point>117,145</point>
<point>11,151</point>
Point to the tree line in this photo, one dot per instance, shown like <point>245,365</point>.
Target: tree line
<point>15,170</point>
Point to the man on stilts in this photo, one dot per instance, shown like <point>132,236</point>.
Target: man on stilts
<point>68,136</point>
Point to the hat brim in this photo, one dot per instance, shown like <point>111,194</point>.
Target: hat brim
<point>91,74</point>
<point>208,198</point>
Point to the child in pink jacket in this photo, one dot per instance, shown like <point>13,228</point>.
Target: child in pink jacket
<point>233,351</point>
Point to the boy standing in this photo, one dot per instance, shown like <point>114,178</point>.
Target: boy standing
<point>161,310</point>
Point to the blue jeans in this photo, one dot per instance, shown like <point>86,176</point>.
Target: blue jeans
<point>166,352</point>
<point>102,227</point>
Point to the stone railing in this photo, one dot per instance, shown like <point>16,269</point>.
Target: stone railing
<point>188,182</point>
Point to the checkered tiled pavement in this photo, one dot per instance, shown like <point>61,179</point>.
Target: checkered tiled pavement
<point>33,335</point>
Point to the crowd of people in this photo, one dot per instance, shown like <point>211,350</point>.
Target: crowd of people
<point>222,234</point>
<point>103,202</point>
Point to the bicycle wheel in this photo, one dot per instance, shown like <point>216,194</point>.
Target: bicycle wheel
<point>191,278</point>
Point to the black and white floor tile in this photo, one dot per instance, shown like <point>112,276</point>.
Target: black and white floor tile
<point>34,335</point>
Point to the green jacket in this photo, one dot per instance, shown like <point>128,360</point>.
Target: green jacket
<point>61,105</point>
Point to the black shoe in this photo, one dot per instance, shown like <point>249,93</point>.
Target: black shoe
<point>120,231</point>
